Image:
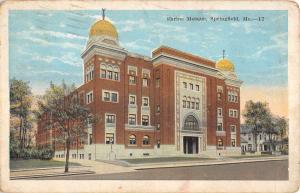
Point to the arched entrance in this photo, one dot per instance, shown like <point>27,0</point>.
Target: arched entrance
<point>191,143</point>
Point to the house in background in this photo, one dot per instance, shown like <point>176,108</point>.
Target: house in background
<point>264,141</point>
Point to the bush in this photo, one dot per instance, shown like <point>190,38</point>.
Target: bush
<point>46,154</point>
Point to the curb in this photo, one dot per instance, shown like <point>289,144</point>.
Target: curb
<point>50,175</point>
<point>167,165</point>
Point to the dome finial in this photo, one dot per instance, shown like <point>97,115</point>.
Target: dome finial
<point>223,53</point>
<point>103,13</point>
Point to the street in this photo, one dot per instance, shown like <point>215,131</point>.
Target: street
<point>266,170</point>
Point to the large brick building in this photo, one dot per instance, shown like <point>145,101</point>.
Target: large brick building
<point>171,104</point>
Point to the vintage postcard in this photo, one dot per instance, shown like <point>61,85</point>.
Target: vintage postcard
<point>153,96</point>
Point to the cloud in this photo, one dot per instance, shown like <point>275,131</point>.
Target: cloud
<point>43,42</point>
<point>130,25</point>
<point>135,45</point>
<point>57,72</point>
<point>248,27</point>
<point>68,58</point>
<point>279,42</point>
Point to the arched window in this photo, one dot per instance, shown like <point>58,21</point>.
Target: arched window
<point>110,72</point>
<point>191,123</point>
<point>146,140</point>
<point>103,70</point>
<point>132,140</point>
<point>116,72</point>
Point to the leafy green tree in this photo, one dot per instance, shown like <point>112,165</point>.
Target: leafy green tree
<point>270,130</point>
<point>257,116</point>
<point>281,125</point>
<point>68,116</point>
<point>20,108</point>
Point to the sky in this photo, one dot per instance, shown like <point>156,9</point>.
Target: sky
<point>46,46</point>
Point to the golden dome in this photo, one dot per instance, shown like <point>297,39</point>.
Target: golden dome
<point>225,65</point>
<point>103,27</point>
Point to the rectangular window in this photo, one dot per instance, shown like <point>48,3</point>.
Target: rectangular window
<point>219,112</point>
<point>132,119</point>
<point>220,127</point>
<point>145,82</point>
<point>110,75</point>
<point>233,142</point>
<point>110,119</point>
<point>145,120</point>
<point>109,139</point>
<point>191,86</point>
<point>106,96</point>
<point>131,79</point>
<point>233,128</point>
<point>145,101</point>
<point>89,97</point>
<point>197,87</point>
<point>184,85</point>
<point>109,96</point>
<point>114,97</point>
<point>132,99</point>
<point>157,108</point>
<point>233,113</point>
<point>232,96</point>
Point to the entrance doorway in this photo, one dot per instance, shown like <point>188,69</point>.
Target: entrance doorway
<point>190,145</point>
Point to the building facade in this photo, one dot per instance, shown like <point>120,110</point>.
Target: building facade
<point>170,104</point>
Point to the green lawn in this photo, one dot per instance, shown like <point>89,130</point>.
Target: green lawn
<point>35,163</point>
<point>163,159</point>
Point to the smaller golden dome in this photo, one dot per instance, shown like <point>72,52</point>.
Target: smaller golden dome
<point>225,65</point>
<point>103,27</point>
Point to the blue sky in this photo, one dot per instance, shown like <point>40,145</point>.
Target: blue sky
<point>46,45</point>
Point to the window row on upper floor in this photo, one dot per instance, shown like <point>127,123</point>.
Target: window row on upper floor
<point>232,95</point>
<point>191,86</point>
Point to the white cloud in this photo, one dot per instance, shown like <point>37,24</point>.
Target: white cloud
<point>53,72</point>
<point>130,25</point>
<point>279,41</point>
<point>68,58</point>
<point>43,42</point>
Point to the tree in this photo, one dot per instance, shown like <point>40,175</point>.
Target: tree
<point>20,108</point>
<point>270,130</point>
<point>281,125</point>
<point>68,117</point>
<point>257,116</point>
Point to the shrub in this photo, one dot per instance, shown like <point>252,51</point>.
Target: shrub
<point>46,154</point>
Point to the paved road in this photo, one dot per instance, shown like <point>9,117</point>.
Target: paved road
<point>269,170</point>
